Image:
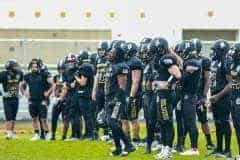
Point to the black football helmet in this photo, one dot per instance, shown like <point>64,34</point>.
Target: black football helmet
<point>197,45</point>
<point>83,57</point>
<point>117,52</point>
<point>177,49</point>
<point>12,65</point>
<point>103,48</point>
<point>187,49</point>
<point>159,46</point>
<point>71,61</point>
<point>131,49</point>
<point>219,49</point>
<point>144,53</point>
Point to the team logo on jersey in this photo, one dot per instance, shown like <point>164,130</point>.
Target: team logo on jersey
<point>168,61</point>
<point>238,101</point>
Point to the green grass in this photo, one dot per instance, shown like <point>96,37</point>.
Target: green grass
<point>23,149</point>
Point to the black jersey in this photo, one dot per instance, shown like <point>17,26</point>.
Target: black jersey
<point>134,64</point>
<point>68,76</point>
<point>219,70</point>
<point>165,63</point>
<point>192,71</point>
<point>111,86</point>
<point>36,83</point>
<point>10,81</point>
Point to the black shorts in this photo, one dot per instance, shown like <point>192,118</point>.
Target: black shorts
<point>147,98</point>
<point>113,110</point>
<point>202,113</point>
<point>10,108</point>
<point>125,113</point>
<point>164,108</point>
<point>38,109</point>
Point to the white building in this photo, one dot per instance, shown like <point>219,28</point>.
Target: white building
<point>52,28</point>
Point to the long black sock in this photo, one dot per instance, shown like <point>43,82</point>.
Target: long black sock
<point>36,131</point>
<point>219,135</point>
<point>170,134</point>
<point>209,139</point>
<point>228,135</point>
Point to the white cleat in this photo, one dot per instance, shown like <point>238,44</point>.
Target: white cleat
<point>105,138</point>
<point>36,137</point>
<point>14,136</point>
<point>162,152</point>
<point>48,137</point>
<point>8,137</point>
<point>166,154</point>
<point>190,152</point>
<point>72,139</point>
<point>157,147</point>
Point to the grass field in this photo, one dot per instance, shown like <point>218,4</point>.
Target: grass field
<point>23,149</point>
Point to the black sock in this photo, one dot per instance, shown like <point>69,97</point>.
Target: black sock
<point>208,138</point>
<point>36,131</point>
<point>227,134</point>
<point>105,131</point>
<point>46,132</point>
<point>219,135</point>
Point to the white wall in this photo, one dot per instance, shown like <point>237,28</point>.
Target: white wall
<point>163,17</point>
